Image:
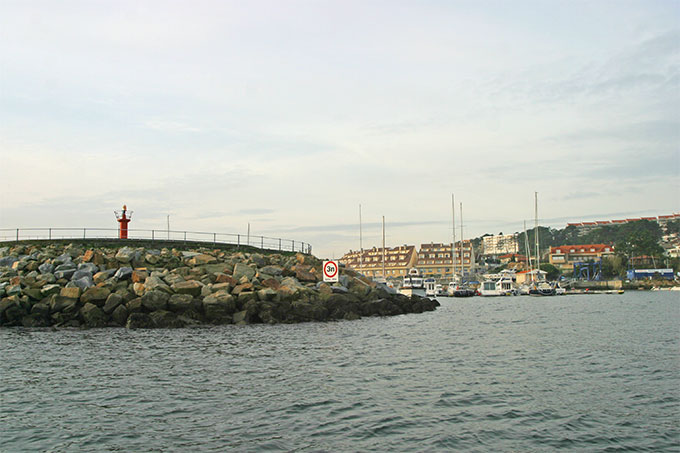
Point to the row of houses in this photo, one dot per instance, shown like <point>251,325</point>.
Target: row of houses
<point>434,259</point>
<point>587,226</point>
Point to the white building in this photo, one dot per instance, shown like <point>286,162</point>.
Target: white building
<point>500,244</point>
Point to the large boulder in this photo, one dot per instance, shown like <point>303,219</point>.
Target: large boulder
<point>48,290</point>
<point>93,316</point>
<point>305,274</point>
<point>272,270</point>
<point>179,303</point>
<point>140,321</point>
<point>243,270</point>
<point>126,255</point>
<point>154,283</point>
<point>83,282</point>
<point>112,302</point>
<point>46,268</point>
<point>201,260</point>
<point>96,296</point>
<point>72,292</point>
<point>219,308</point>
<point>120,315</point>
<point>155,300</point>
<point>123,273</point>
<point>89,267</point>
<point>164,319</point>
<point>191,287</point>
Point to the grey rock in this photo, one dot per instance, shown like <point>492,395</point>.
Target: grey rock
<point>243,270</point>
<point>93,315</point>
<point>112,302</point>
<point>155,300</point>
<point>80,274</point>
<point>154,283</point>
<point>120,315</point>
<point>90,267</point>
<point>139,321</point>
<point>65,273</point>
<point>48,290</point>
<point>46,268</point>
<point>124,273</point>
<point>180,302</point>
<point>63,258</point>
<point>272,270</point>
<point>126,255</point>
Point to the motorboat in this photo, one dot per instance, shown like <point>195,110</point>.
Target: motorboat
<point>559,291</point>
<point>501,284</point>
<point>413,280</point>
<point>430,287</point>
<point>500,287</point>
<point>542,289</point>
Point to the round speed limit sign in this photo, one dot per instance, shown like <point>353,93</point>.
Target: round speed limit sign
<point>330,271</point>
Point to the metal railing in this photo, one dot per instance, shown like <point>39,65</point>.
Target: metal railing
<point>261,242</point>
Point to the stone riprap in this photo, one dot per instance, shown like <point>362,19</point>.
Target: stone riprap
<point>65,285</point>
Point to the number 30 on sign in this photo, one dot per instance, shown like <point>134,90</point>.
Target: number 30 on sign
<point>330,271</point>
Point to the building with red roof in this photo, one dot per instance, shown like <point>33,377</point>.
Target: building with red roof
<point>563,257</point>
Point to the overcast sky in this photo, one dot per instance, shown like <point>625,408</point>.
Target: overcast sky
<point>289,114</point>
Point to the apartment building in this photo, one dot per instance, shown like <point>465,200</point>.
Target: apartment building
<point>398,260</point>
<point>564,256</point>
<point>434,259</point>
<point>500,244</point>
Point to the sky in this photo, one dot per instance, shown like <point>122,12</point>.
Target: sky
<point>289,115</point>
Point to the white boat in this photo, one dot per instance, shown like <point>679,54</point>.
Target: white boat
<point>413,280</point>
<point>503,286</point>
<point>439,290</point>
<point>430,287</point>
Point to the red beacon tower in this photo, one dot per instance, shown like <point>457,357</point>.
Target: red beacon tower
<point>123,220</point>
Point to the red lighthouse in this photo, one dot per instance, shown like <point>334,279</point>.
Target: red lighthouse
<point>123,220</point>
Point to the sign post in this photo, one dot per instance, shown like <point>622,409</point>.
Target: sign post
<point>330,271</point>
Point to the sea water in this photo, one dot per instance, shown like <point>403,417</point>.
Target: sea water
<point>576,373</point>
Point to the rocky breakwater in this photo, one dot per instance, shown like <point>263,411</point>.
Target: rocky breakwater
<point>68,285</point>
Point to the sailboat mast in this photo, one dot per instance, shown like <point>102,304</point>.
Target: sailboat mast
<point>453,243</point>
<point>361,244</point>
<point>462,264</point>
<point>538,254</point>
<point>527,250</point>
<point>383,257</point>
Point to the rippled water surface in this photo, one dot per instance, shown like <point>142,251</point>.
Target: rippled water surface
<point>581,373</point>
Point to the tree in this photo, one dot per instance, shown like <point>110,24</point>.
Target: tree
<point>613,266</point>
<point>553,273</point>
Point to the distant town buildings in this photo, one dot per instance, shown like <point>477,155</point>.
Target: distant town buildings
<point>565,256</point>
<point>500,244</point>
<point>398,261</point>
<point>436,260</point>
<point>431,260</point>
<point>584,227</point>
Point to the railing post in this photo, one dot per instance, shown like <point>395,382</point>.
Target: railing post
<point>83,233</point>
<point>293,246</point>
<point>238,240</point>
<point>17,234</point>
<point>279,244</point>
<point>50,234</point>
<point>261,242</point>
<point>153,234</point>
<point>214,238</point>
<point>185,236</point>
